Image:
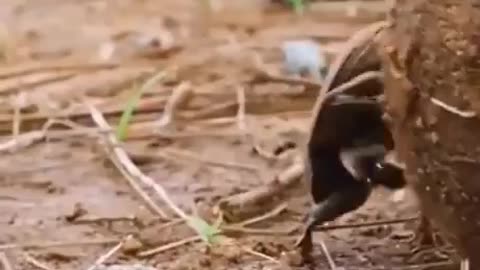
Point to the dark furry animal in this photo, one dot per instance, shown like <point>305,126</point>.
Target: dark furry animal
<point>346,157</point>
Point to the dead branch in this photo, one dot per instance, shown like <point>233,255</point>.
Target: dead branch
<point>179,98</point>
<point>52,67</point>
<point>363,224</point>
<point>242,203</point>
<point>169,246</point>
<point>109,253</point>
<point>270,214</point>
<point>451,109</point>
<point>241,100</point>
<point>124,163</point>
<point>131,172</point>
<point>46,244</point>
<point>22,141</point>
<point>31,260</point>
<point>174,154</point>
<point>5,262</point>
<point>326,252</point>
<point>263,76</point>
<point>16,84</point>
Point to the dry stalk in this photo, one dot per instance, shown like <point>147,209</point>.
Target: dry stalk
<point>109,253</point>
<point>27,139</point>
<point>22,141</point>
<point>174,154</point>
<point>57,244</point>
<point>241,99</point>
<point>31,260</point>
<point>451,109</point>
<point>262,194</point>
<point>270,214</point>
<point>363,224</point>
<point>263,76</point>
<point>251,231</point>
<point>125,164</point>
<point>5,262</point>
<point>169,246</point>
<point>327,254</point>
<point>261,255</point>
<point>179,98</point>
<point>357,80</point>
<point>56,67</point>
<point>225,164</point>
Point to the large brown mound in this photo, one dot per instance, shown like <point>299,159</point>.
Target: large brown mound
<point>431,62</point>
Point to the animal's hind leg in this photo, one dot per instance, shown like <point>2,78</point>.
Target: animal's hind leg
<point>341,202</point>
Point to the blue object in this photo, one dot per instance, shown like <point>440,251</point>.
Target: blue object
<point>302,57</point>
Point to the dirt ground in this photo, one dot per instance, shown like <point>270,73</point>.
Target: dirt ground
<point>63,204</point>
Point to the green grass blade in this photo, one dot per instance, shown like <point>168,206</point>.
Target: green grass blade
<point>208,233</point>
<point>127,114</point>
<point>298,5</point>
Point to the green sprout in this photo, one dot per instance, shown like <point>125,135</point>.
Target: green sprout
<point>297,5</point>
<point>122,128</point>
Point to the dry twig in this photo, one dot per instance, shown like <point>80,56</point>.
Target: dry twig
<point>357,80</point>
<point>327,254</point>
<point>250,199</point>
<point>109,254</point>
<point>270,214</point>
<point>241,99</point>
<point>5,262</point>
<point>169,246</point>
<point>263,76</point>
<point>131,172</point>
<point>49,67</point>
<point>47,244</point>
<point>180,96</point>
<point>261,255</point>
<point>31,260</point>
<point>451,109</point>
<point>363,224</point>
<point>174,154</point>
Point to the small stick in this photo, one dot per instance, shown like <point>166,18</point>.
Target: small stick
<point>36,263</point>
<point>359,79</point>
<point>191,156</point>
<point>109,254</point>
<point>17,117</point>
<point>327,254</point>
<point>241,99</point>
<point>261,255</point>
<point>57,244</point>
<point>5,261</point>
<point>126,165</point>
<point>451,109</point>
<point>44,67</point>
<point>174,154</point>
<point>264,193</point>
<point>22,141</point>
<point>168,246</point>
<point>103,219</point>
<point>265,76</point>
<point>180,96</point>
<point>274,212</point>
<point>233,228</point>
<point>365,224</point>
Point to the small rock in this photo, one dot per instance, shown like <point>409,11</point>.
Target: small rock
<point>132,245</point>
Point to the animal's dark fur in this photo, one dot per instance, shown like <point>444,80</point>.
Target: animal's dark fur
<point>353,124</point>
